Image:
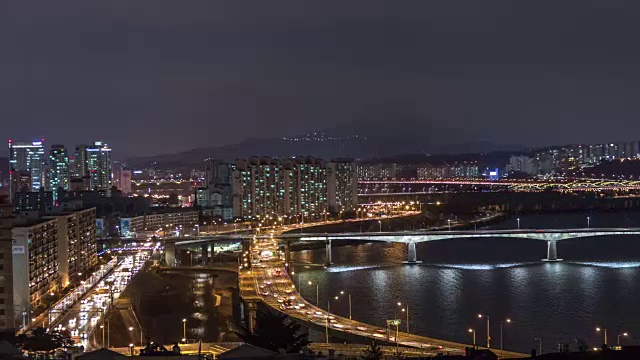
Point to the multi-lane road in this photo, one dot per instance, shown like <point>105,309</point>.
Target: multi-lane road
<point>86,317</point>
<point>269,282</point>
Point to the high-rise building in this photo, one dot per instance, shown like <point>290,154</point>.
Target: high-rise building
<point>59,175</point>
<point>77,243</point>
<point>270,188</point>
<point>80,160</point>
<point>28,156</point>
<point>342,186</point>
<point>35,263</point>
<point>99,166</point>
<point>6,265</point>
<point>121,178</point>
<point>215,196</point>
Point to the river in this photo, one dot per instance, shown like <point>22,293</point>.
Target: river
<point>598,284</point>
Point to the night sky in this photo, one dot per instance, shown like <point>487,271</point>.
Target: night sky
<point>154,76</point>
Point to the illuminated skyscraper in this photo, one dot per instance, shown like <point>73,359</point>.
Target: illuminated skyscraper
<point>27,157</point>
<point>58,169</point>
<point>80,160</point>
<point>99,166</point>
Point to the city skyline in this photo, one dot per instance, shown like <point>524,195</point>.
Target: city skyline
<point>231,71</point>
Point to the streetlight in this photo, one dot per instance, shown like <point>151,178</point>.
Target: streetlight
<point>405,310</point>
<point>184,330</point>
<point>317,292</point>
<point>605,334</point>
<point>501,323</point>
<point>623,334</point>
<point>449,222</point>
<point>488,330</point>
<point>588,222</point>
<point>473,331</point>
<point>518,219</point>
<point>349,295</point>
<point>380,224</point>
<point>102,327</point>
<point>539,340</point>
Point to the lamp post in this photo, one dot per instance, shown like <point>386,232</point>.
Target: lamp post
<point>623,334</point>
<point>184,330</point>
<point>317,293</point>
<point>131,333</point>
<point>539,340</point>
<point>349,295</point>
<point>380,224</point>
<point>102,327</point>
<point>518,219</point>
<point>449,223</point>
<point>488,330</point>
<point>473,331</point>
<point>588,222</point>
<point>501,324</point>
<point>605,334</point>
<point>406,311</point>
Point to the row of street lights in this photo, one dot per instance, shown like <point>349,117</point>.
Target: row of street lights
<point>480,316</point>
<point>588,222</point>
<point>604,331</point>
<point>404,309</point>
<point>473,331</point>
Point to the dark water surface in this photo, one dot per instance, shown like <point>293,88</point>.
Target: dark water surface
<point>598,284</point>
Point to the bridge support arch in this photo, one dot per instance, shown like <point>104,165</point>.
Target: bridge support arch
<point>552,251</point>
<point>412,256</point>
<point>328,253</point>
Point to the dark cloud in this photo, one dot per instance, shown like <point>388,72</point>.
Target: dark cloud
<point>155,76</point>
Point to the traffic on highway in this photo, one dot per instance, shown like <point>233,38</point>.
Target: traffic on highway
<point>87,315</point>
<point>276,289</point>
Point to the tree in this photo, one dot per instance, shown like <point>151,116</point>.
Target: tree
<point>275,332</point>
<point>373,352</point>
<point>39,340</point>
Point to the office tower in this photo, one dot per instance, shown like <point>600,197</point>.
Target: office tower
<point>58,169</point>
<point>99,166</point>
<point>7,315</point>
<point>116,170</point>
<point>80,160</point>
<point>342,186</point>
<point>27,157</point>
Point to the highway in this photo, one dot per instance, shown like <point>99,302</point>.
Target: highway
<point>273,286</point>
<point>87,315</point>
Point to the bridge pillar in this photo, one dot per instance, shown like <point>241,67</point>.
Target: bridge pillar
<point>552,251</point>
<point>328,253</point>
<point>246,254</point>
<point>205,254</point>
<point>170,254</point>
<point>412,256</point>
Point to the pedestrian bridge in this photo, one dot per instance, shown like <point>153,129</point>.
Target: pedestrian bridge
<point>411,238</point>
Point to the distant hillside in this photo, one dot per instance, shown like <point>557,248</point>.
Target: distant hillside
<point>358,140</point>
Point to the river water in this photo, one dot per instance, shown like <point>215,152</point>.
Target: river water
<point>597,284</point>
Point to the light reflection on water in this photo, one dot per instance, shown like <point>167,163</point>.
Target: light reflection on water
<point>597,285</point>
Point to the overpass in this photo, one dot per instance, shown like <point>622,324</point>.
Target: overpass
<point>411,238</point>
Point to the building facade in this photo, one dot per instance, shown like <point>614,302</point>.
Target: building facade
<point>99,166</point>
<point>342,186</point>
<point>267,188</point>
<point>77,246</point>
<point>35,262</point>
<point>6,265</point>
<point>59,171</point>
<point>28,157</point>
